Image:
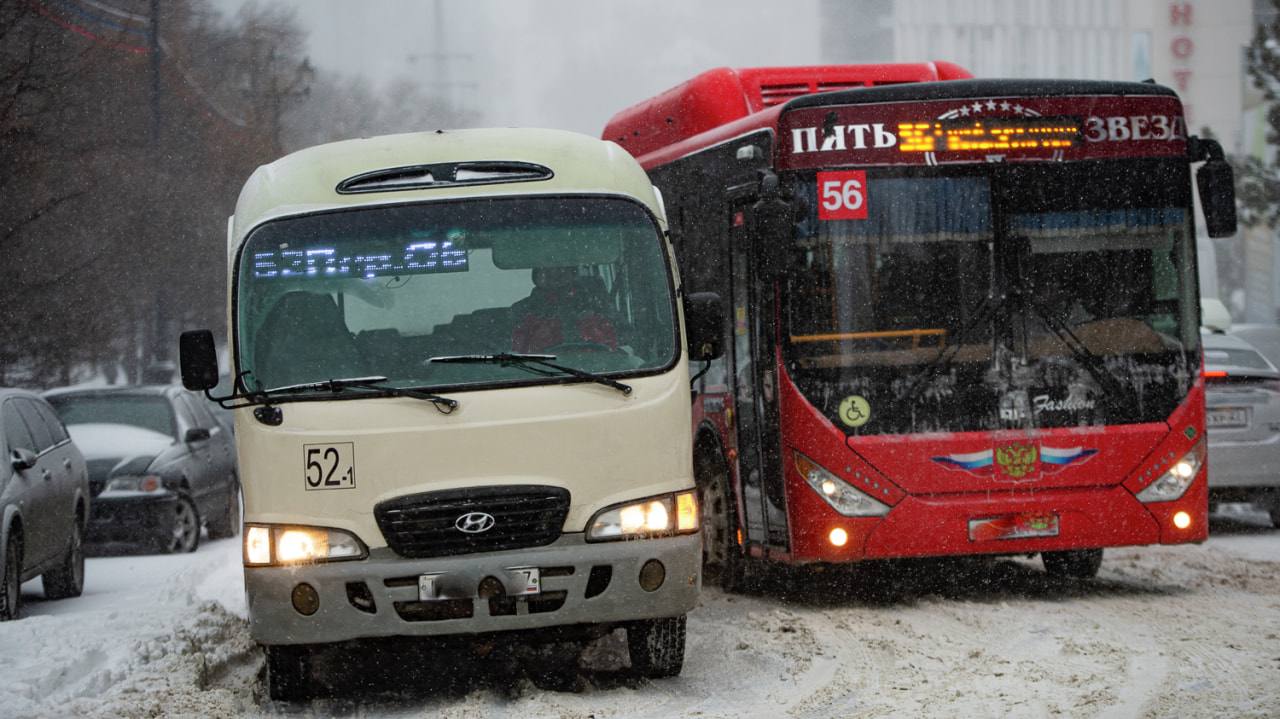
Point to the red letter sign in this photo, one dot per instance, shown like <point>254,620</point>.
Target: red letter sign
<point>842,195</point>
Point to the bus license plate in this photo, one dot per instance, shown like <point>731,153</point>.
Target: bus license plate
<point>1014,526</point>
<point>523,581</point>
<point>1228,417</point>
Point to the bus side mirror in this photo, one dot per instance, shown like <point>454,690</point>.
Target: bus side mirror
<point>775,234</point>
<point>1216,183</point>
<point>198,359</point>
<point>703,319</point>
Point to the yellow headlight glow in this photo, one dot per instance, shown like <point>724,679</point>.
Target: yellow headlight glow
<point>632,518</point>
<point>686,512</point>
<point>656,518</point>
<point>257,545</point>
<point>301,545</point>
<point>1181,520</point>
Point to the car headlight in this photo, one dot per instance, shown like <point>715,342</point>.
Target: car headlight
<point>661,516</point>
<point>267,545</point>
<point>1174,482</point>
<point>838,493</point>
<point>142,483</point>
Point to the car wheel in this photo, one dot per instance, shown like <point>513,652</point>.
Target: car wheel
<point>1075,564</point>
<point>185,534</point>
<point>227,525</point>
<point>289,673</point>
<point>656,646</point>
<point>11,586</point>
<point>67,580</point>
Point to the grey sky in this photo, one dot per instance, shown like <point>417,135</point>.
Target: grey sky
<point>554,63</point>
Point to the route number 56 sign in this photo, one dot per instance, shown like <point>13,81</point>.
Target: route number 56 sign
<point>842,195</point>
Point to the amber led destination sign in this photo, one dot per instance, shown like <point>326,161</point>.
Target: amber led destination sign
<point>1021,133</point>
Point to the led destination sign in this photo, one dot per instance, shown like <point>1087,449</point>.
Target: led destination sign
<point>987,135</point>
<point>1059,128</point>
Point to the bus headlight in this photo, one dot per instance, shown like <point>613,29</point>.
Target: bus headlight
<point>266,545</point>
<point>838,493</point>
<point>1174,482</point>
<point>661,516</point>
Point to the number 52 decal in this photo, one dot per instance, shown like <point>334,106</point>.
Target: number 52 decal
<point>329,466</point>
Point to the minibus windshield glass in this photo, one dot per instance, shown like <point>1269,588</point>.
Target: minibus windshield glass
<point>380,291</point>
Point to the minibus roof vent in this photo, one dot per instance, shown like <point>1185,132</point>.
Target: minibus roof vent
<point>449,174</point>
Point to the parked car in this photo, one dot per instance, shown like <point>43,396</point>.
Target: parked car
<point>160,465</point>
<point>1243,400</point>
<point>44,501</point>
<point>1264,338</point>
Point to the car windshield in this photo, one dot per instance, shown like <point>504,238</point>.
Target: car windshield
<point>996,305</point>
<point>379,292</point>
<point>148,412</point>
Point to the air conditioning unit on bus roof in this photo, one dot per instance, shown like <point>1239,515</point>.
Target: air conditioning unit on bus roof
<point>722,95</point>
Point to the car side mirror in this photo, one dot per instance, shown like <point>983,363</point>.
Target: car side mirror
<point>704,318</point>
<point>199,360</point>
<point>197,434</point>
<point>1216,183</point>
<point>22,459</point>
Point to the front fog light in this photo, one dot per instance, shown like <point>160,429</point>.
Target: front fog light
<point>1174,482</point>
<point>839,494</point>
<point>657,517</point>
<point>265,546</point>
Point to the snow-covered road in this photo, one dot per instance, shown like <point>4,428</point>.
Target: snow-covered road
<point>1164,631</point>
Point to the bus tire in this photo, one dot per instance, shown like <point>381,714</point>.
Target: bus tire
<point>1073,564</point>
<point>722,558</point>
<point>289,672</point>
<point>228,524</point>
<point>656,646</point>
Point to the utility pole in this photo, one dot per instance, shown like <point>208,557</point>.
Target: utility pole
<point>155,71</point>
<point>444,62</point>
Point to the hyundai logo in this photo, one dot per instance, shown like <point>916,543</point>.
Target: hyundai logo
<point>474,522</point>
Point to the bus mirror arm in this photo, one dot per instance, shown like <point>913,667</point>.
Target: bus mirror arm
<point>1216,183</point>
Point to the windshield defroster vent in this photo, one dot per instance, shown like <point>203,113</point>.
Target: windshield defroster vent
<point>450,174</point>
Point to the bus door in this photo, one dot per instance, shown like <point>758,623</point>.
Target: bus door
<point>754,384</point>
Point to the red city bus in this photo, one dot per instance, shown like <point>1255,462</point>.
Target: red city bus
<point>962,316</point>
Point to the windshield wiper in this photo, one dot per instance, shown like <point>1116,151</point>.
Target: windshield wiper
<point>370,385</point>
<point>532,362</point>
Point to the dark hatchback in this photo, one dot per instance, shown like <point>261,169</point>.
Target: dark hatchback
<point>160,465</point>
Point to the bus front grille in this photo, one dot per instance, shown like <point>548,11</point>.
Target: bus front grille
<point>432,524</point>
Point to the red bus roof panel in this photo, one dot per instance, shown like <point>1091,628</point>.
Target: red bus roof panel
<point>723,96</point>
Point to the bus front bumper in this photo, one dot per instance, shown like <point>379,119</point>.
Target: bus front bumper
<point>581,583</point>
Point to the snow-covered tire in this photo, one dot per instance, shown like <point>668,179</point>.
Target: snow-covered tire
<point>1075,564</point>
<point>289,673</point>
<point>67,579</point>
<point>722,558</point>
<point>185,534</point>
<point>11,586</point>
<point>656,646</point>
<point>228,523</point>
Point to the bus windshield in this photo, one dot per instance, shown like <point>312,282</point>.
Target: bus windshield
<point>380,291</point>
<point>1026,296</point>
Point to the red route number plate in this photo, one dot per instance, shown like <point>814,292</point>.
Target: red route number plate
<point>842,195</point>
<point>1014,526</point>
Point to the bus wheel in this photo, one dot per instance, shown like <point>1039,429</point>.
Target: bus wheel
<point>656,647</point>
<point>722,558</point>
<point>1075,564</point>
<point>289,673</point>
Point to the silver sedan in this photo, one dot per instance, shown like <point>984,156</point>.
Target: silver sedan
<point>1243,399</point>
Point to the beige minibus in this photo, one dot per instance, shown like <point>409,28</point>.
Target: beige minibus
<point>462,397</point>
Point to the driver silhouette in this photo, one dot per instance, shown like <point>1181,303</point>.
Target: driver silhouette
<point>562,309</point>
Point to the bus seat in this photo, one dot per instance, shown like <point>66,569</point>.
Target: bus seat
<point>305,339</point>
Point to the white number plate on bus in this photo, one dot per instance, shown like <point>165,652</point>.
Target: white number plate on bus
<point>1228,417</point>
<point>522,581</point>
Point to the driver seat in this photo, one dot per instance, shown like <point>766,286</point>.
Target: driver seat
<point>305,339</point>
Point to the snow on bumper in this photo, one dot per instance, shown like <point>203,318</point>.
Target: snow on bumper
<point>574,591</point>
